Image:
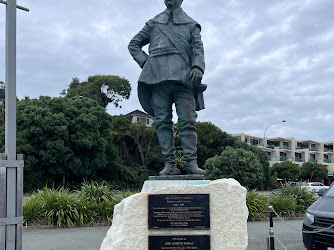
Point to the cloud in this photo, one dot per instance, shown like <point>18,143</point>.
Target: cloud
<point>265,61</point>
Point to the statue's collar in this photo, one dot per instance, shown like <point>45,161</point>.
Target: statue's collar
<point>179,17</point>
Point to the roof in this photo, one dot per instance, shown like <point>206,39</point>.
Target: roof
<point>139,113</point>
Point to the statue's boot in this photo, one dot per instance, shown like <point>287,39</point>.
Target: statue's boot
<point>193,169</point>
<point>170,169</point>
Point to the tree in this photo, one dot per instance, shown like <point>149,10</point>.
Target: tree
<point>313,171</point>
<point>240,164</point>
<point>211,141</point>
<point>137,144</point>
<point>64,140</point>
<point>286,170</point>
<point>104,89</point>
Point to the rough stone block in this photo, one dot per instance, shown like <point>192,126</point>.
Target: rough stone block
<point>228,215</point>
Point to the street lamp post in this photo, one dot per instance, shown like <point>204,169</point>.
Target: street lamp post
<point>264,134</point>
<point>11,165</point>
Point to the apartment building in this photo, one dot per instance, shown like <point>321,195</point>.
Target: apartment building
<point>290,149</point>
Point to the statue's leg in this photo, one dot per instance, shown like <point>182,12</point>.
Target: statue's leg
<point>162,107</point>
<point>186,110</point>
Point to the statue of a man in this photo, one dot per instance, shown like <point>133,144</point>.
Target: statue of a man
<point>172,73</point>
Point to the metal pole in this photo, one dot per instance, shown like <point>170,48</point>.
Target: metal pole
<point>271,229</point>
<point>264,134</point>
<point>10,120</point>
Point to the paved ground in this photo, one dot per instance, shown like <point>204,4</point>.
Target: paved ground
<point>90,238</point>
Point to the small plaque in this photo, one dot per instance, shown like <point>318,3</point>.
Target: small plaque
<point>198,242</point>
<point>179,211</point>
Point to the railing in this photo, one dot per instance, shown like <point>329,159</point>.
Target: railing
<point>301,147</point>
<point>313,149</point>
<point>285,147</point>
<point>328,150</point>
<point>328,160</point>
<point>270,146</point>
<point>297,159</point>
<point>313,160</point>
<point>282,158</point>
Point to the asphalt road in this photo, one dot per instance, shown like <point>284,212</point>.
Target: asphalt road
<point>90,238</point>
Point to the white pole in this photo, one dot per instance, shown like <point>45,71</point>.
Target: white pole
<point>10,118</point>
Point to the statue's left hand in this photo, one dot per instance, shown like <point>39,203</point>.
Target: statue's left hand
<point>196,75</point>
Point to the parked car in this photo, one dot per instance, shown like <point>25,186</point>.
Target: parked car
<point>314,186</point>
<point>319,219</point>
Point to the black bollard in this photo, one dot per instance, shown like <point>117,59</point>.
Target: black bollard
<point>271,229</point>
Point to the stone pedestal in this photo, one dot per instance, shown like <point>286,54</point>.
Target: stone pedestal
<point>228,215</point>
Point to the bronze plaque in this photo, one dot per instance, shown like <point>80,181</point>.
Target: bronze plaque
<point>198,242</point>
<point>179,211</point>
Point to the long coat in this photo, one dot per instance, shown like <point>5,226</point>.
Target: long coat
<point>164,62</point>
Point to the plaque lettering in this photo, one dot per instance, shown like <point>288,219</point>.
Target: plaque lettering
<point>186,211</point>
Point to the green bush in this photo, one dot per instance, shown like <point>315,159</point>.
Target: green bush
<point>257,206</point>
<point>240,164</point>
<point>92,204</point>
<point>291,201</point>
<point>32,210</point>
<point>61,208</point>
<point>101,199</point>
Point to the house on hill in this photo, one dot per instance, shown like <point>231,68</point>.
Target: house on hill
<point>138,116</point>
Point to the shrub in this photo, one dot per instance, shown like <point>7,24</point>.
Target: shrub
<point>291,201</point>
<point>240,164</point>
<point>62,208</point>
<point>257,206</point>
<point>32,210</point>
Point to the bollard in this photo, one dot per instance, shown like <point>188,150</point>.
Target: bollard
<point>271,229</point>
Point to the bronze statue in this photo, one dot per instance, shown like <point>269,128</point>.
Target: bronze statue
<point>172,73</point>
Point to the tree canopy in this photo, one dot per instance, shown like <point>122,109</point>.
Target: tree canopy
<point>238,163</point>
<point>62,138</point>
<point>314,171</point>
<point>104,89</point>
<point>286,170</point>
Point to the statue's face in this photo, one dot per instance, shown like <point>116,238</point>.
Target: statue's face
<point>173,4</point>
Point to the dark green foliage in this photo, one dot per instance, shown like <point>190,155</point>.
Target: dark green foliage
<point>319,171</point>
<point>291,201</point>
<point>62,140</point>
<point>55,207</point>
<point>212,141</point>
<point>286,170</point>
<point>104,89</point>
<point>257,206</point>
<point>240,164</point>
<point>92,204</point>
<point>138,148</point>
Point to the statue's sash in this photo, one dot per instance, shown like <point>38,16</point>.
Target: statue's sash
<point>169,33</point>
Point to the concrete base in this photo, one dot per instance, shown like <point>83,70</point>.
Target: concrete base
<point>228,215</point>
<point>152,185</point>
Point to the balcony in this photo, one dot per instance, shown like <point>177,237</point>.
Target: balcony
<point>328,160</point>
<point>328,150</point>
<point>298,159</point>
<point>313,160</point>
<point>285,147</point>
<point>301,147</point>
<point>282,158</point>
<point>270,146</point>
<point>313,149</point>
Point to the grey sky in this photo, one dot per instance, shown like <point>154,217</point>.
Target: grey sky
<point>266,60</point>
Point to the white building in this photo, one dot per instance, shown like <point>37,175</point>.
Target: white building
<point>290,149</point>
<point>138,116</point>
